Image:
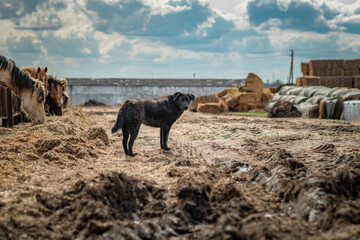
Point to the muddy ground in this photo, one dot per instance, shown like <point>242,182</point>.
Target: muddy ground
<point>226,177</point>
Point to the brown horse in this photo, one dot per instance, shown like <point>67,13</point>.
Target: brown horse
<point>29,90</point>
<point>38,73</point>
<point>57,99</point>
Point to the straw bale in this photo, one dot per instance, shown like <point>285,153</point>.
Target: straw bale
<point>356,81</point>
<point>315,99</point>
<point>276,97</point>
<point>216,108</point>
<point>288,98</point>
<point>310,81</point>
<point>211,98</point>
<point>331,91</point>
<point>242,108</point>
<point>310,91</point>
<point>354,94</point>
<point>338,92</point>
<point>337,71</point>
<point>350,64</point>
<point>231,97</point>
<point>299,81</point>
<point>322,91</point>
<point>269,106</point>
<point>226,91</point>
<point>249,97</point>
<point>300,99</point>
<point>308,110</point>
<point>305,69</point>
<point>285,88</point>
<point>251,106</point>
<point>348,72</point>
<point>253,84</point>
<point>294,91</point>
<point>283,109</point>
<point>266,97</point>
<point>272,89</point>
<point>331,108</point>
<point>355,71</point>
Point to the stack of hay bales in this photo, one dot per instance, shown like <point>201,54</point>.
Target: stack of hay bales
<point>238,99</point>
<point>330,73</point>
<point>315,101</point>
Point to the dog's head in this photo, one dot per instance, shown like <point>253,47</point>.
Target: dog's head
<point>182,100</point>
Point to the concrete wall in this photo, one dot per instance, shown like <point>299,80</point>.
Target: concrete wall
<point>112,94</point>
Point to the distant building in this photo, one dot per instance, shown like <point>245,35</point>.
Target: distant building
<point>113,91</point>
<point>330,73</point>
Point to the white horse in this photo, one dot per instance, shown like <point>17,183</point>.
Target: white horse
<point>29,90</point>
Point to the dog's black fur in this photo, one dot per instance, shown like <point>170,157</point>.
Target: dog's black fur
<point>159,112</point>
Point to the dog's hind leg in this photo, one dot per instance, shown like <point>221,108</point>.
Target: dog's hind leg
<point>161,138</point>
<point>164,134</point>
<point>133,134</point>
<point>125,140</point>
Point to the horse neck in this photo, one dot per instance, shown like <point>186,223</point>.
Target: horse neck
<point>5,77</point>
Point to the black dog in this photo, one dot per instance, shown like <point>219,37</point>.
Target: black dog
<point>159,112</point>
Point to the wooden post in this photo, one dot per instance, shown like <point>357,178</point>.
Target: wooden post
<point>10,118</point>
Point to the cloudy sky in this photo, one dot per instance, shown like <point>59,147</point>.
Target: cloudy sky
<point>177,38</point>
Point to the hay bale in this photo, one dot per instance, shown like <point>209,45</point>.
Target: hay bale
<point>214,108</point>
<point>287,98</point>
<point>354,94</point>
<point>322,91</point>
<point>308,110</point>
<point>294,91</point>
<point>299,82</point>
<point>315,99</point>
<point>283,109</point>
<point>272,89</point>
<point>331,108</point>
<point>356,81</point>
<point>338,92</point>
<point>211,98</point>
<point>269,106</point>
<point>266,97</point>
<point>228,90</point>
<point>249,97</point>
<point>299,99</point>
<point>310,91</point>
<point>243,108</point>
<point>231,97</point>
<point>285,88</point>
<point>305,69</point>
<point>254,84</point>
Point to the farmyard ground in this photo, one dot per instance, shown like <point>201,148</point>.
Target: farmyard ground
<point>226,177</point>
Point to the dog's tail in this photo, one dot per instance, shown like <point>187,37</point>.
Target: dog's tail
<point>120,118</point>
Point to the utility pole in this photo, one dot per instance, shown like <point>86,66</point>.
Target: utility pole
<point>291,78</point>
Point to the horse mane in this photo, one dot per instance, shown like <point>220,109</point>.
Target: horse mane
<point>56,82</point>
<point>52,80</point>
<point>19,79</point>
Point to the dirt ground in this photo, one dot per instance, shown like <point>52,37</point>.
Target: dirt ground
<point>226,177</point>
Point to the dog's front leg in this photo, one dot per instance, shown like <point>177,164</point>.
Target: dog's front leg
<point>164,134</point>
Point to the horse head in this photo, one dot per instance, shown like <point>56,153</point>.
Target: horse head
<point>34,103</point>
<point>56,89</point>
<point>41,75</point>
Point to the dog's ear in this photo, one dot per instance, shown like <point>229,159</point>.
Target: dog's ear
<point>191,96</point>
<point>176,95</point>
